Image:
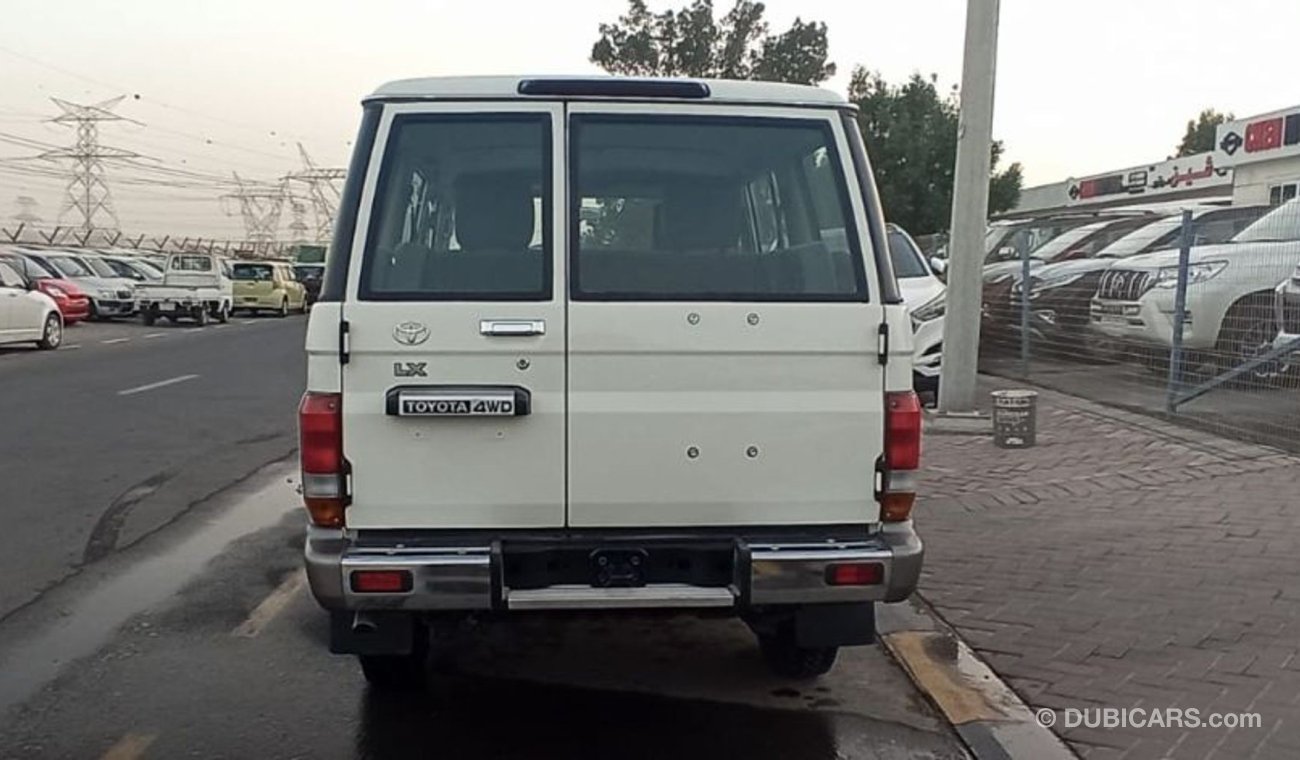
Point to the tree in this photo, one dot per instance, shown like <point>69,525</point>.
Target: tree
<point>1199,136</point>
<point>691,42</point>
<point>911,134</point>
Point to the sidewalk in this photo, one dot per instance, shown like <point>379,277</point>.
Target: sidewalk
<point>1124,562</point>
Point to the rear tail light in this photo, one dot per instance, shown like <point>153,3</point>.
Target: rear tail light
<point>320,449</point>
<point>902,455</point>
<point>381,581</point>
<point>855,574</point>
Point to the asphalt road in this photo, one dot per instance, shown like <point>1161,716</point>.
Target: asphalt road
<point>125,427</point>
<point>156,606</point>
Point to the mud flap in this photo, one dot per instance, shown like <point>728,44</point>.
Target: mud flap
<point>835,625</point>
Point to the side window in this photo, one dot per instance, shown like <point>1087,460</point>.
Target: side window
<point>463,210</point>
<point>672,208</point>
<point>9,278</point>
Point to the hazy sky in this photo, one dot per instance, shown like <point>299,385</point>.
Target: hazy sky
<point>232,85</point>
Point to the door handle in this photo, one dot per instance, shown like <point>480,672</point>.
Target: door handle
<point>512,327</point>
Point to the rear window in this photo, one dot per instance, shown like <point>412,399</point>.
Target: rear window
<point>463,210</point>
<point>710,209</point>
<point>191,264</point>
<point>251,272</point>
<point>70,267</point>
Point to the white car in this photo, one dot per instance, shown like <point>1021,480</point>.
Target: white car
<point>1230,308</point>
<point>1287,305</point>
<point>593,344</point>
<point>923,293</point>
<point>27,315</point>
<point>194,286</point>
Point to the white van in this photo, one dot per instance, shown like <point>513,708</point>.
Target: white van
<point>608,343</point>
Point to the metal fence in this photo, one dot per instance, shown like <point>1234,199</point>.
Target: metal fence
<point>1193,315</point>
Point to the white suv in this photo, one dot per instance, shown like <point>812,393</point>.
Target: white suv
<point>1230,292</point>
<point>608,343</point>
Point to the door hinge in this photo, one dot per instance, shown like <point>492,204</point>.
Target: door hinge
<point>345,344</point>
<point>882,343</point>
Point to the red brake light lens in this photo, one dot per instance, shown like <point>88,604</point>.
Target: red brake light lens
<point>381,581</point>
<point>320,450</point>
<point>855,574</point>
<point>902,430</point>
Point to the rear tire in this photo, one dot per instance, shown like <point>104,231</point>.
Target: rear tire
<point>149,318</point>
<point>787,659</point>
<point>284,309</point>
<point>51,333</point>
<point>201,316</point>
<point>223,313</point>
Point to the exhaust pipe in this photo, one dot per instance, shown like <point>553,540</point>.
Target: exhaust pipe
<point>363,624</point>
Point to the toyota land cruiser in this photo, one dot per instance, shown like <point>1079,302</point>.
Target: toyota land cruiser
<point>590,344</point>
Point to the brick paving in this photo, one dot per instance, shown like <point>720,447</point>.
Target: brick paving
<point>1125,562</point>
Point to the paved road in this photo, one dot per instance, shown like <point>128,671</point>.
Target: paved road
<point>176,622</point>
<point>125,427</point>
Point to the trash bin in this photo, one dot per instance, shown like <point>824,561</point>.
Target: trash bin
<point>1015,419</point>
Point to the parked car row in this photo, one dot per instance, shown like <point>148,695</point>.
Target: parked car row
<point>79,284</point>
<point>1109,286</point>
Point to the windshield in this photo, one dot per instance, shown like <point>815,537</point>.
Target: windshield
<point>1282,223</point>
<point>100,267</point>
<point>70,267</point>
<point>906,258</point>
<point>251,272</point>
<point>28,267</point>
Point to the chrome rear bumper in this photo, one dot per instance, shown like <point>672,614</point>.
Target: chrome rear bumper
<point>468,576</point>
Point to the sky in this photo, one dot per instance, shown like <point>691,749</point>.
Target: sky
<point>233,86</point>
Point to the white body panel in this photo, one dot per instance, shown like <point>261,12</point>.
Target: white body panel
<point>182,287</point>
<point>642,413</point>
<point>22,311</point>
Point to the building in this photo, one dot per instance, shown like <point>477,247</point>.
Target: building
<point>1264,153</point>
<point>1203,177</point>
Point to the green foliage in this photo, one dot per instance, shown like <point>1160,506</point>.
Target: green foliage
<point>692,42</point>
<point>1199,136</point>
<point>911,134</point>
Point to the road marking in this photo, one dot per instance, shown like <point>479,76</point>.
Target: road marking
<point>114,340</point>
<point>129,747</point>
<point>271,606</point>
<point>218,327</point>
<point>154,335</point>
<point>73,347</point>
<point>248,321</point>
<point>159,384</point>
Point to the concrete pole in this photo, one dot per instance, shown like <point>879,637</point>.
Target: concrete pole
<point>970,203</point>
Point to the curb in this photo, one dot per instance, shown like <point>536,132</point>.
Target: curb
<point>991,720</point>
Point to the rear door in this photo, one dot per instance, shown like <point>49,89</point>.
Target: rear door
<point>723,335</point>
<point>454,389</point>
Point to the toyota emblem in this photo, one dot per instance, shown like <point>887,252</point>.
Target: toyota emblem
<point>411,333</point>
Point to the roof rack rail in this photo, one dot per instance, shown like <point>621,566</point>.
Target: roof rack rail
<point>612,87</point>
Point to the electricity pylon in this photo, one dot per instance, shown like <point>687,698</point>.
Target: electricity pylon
<point>260,206</point>
<point>322,191</point>
<point>87,192</point>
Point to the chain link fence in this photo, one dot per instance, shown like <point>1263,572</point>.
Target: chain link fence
<point>1192,314</point>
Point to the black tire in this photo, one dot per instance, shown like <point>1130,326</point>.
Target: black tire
<point>201,316</point>
<point>787,659</point>
<point>284,308</point>
<point>51,333</point>
<point>223,313</point>
<point>1248,331</point>
<point>148,317</point>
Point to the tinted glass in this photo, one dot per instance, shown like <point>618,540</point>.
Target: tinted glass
<point>9,278</point>
<point>69,267</point>
<point>907,260</point>
<point>253,272</point>
<point>191,264</point>
<point>677,208</point>
<point>463,211</point>
<point>100,267</point>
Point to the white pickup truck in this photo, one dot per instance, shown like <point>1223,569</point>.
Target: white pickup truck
<point>697,397</point>
<point>195,286</point>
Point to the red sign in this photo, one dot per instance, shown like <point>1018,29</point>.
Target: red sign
<point>1265,134</point>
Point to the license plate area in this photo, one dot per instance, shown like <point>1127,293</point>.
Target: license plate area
<point>458,401</point>
<point>615,564</point>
